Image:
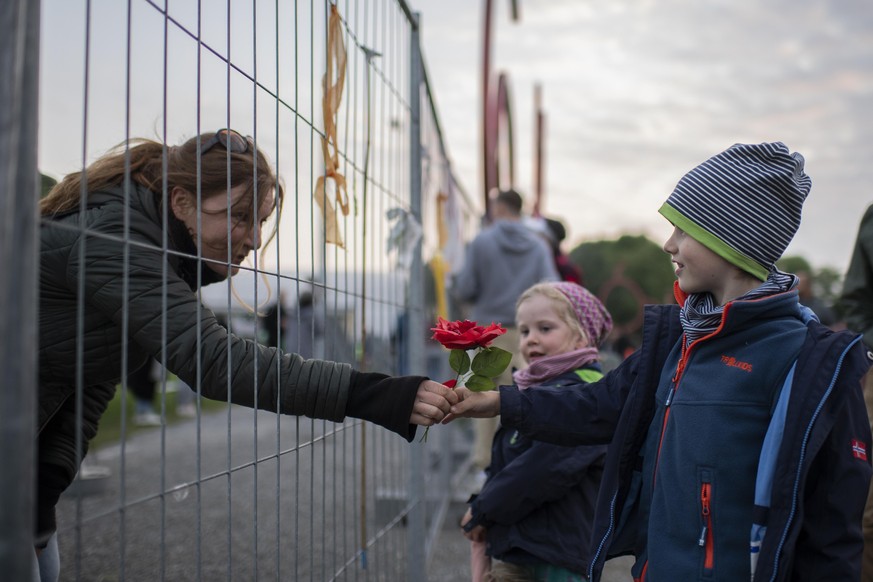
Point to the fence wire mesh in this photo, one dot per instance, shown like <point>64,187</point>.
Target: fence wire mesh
<point>352,275</point>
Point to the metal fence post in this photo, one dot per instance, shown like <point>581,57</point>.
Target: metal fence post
<point>416,532</point>
<point>19,69</point>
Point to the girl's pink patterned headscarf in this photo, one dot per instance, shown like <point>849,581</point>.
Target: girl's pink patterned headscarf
<point>591,313</point>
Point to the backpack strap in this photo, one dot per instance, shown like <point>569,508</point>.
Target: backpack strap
<point>767,468</point>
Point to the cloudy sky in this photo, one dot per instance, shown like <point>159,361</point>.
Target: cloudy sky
<point>637,92</point>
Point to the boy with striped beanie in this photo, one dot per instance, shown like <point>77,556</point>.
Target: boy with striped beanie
<point>743,204</point>
<point>739,441</point>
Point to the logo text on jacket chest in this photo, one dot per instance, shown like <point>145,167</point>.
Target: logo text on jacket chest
<point>735,363</point>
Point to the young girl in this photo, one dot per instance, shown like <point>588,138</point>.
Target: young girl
<point>534,512</point>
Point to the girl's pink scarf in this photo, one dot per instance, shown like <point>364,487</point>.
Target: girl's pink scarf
<point>548,367</point>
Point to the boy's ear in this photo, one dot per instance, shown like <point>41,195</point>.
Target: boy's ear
<point>182,202</point>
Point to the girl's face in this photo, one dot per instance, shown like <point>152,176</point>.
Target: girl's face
<point>213,240</point>
<point>542,332</point>
<point>699,270</point>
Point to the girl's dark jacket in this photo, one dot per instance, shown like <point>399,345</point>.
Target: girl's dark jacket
<point>822,470</point>
<point>83,283</point>
<point>538,501</point>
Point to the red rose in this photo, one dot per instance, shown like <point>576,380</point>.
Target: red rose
<point>477,372</point>
<point>465,335</point>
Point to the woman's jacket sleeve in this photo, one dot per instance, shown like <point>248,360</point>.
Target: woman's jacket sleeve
<point>142,294</point>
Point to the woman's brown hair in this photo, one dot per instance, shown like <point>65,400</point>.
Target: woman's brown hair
<point>143,161</point>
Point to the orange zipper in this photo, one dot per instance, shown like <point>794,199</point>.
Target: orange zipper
<point>705,541</point>
<point>706,534</point>
<point>642,577</point>
<point>680,369</point>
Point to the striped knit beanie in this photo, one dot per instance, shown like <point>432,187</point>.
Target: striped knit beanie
<point>743,204</point>
<point>591,313</point>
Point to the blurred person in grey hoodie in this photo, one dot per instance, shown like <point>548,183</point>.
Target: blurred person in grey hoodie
<point>501,262</point>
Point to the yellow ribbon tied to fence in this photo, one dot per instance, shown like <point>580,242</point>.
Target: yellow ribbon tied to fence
<point>438,264</point>
<point>330,103</point>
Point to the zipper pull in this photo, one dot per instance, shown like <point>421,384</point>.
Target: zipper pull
<point>704,510</point>
<point>670,395</point>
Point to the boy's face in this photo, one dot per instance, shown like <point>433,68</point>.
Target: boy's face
<point>699,270</point>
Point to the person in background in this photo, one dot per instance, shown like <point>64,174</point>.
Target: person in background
<point>807,297</point>
<point>124,247</point>
<point>567,269</point>
<point>856,301</point>
<point>142,384</point>
<point>275,321</point>
<point>553,233</point>
<point>501,262</point>
<point>305,327</point>
<point>534,512</point>
<point>739,447</point>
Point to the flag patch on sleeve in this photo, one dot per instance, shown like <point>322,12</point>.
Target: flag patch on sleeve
<point>859,449</point>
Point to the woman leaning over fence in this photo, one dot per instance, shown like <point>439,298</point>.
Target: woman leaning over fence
<point>108,247</point>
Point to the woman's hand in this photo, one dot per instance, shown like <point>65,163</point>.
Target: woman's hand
<point>474,405</point>
<point>432,403</point>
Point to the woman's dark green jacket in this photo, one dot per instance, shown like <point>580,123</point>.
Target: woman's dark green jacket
<point>138,291</point>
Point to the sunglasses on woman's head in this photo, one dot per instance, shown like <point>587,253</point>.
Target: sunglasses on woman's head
<point>229,139</point>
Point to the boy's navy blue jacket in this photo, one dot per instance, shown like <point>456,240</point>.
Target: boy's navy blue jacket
<point>538,501</point>
<point>822,471</point>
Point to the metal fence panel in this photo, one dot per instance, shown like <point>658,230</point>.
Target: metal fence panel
<point>19,41</point>
<point>234,493</point>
